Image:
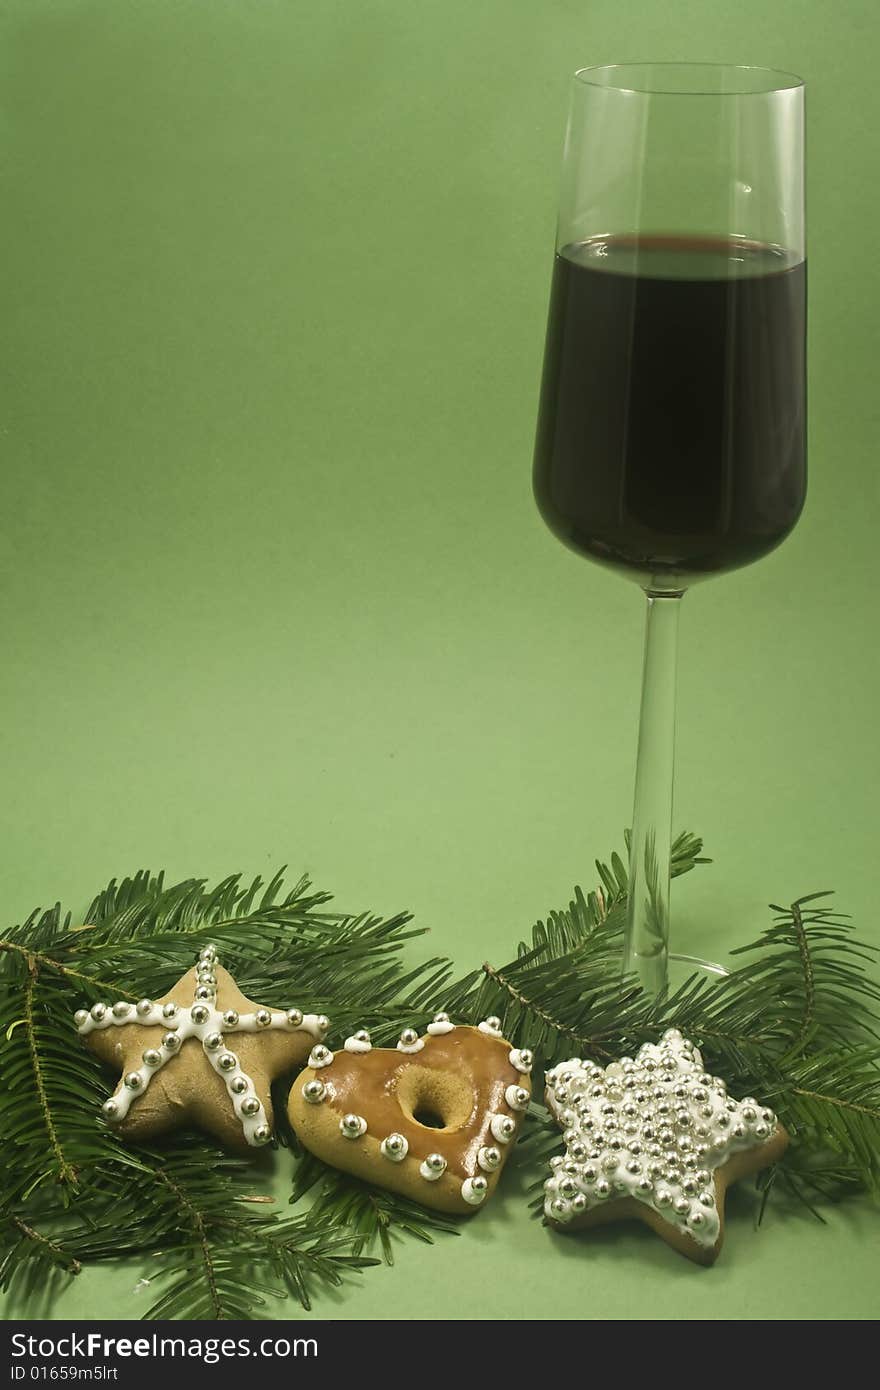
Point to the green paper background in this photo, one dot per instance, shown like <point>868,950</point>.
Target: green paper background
<point>273,588</point>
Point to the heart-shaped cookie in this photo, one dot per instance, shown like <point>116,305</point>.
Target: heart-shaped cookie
<point>433,1118</point>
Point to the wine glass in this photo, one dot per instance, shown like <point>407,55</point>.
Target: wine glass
<point>671,432</point>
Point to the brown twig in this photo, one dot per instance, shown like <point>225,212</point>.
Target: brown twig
<point>66,1261</point>
<point>198,1224</point>
<point>809,977</point>
<point>66,1173</point>
<point>67,970</point>
<point>836,1100</point>
<point>552,1022</point>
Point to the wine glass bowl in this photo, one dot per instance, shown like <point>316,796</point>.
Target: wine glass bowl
<point>671,430</point>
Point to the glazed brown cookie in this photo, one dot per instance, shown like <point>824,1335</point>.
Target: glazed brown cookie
<point>656,1139</point>
<point>177,1065</point>
<point>433,1118</point>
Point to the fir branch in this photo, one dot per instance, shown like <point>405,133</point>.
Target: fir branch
<point>59,1255</point>
<point>871,1111</point>
<point>529,1006</point>
<point>66,1171</point>
<point>48,963</point>
<point>194,1218</point>
<point>796,1023</point>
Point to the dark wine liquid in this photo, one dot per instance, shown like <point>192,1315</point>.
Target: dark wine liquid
<point>671,428</point>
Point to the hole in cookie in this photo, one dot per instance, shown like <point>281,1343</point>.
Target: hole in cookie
<point>429,1118</point>
<point>435,1099</point>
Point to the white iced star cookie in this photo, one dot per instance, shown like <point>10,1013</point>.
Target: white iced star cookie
<point>177,1063</point>
<point>657,1139</point>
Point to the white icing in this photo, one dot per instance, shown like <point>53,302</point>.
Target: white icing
<point>487,1027</point>
<point>516,1060</point>
<point>354,1044</point>
<point>355,1131</point>
<point>472,1194</point>
<point>634,1102</point>
<point>489,1159</point>
<point>182,1026</point>
<point>400,1154</point>
<point>517,1097</point>
<point>411,1047</point>
<point>501,1127</point>
<point>320,1059</point>
<point>438,1029</point>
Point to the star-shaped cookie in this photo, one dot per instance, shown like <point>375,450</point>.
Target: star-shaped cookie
<point>177,1063</point>
<point>657,1139</point>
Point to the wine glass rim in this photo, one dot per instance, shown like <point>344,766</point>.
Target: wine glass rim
<point>777,79</point>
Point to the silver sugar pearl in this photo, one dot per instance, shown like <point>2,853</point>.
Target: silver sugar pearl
<point>199,1014</point>
<point>295,1018</point>
<point>682,1205</point>
<point>169,1010</point>
<point>262,1134</point>
<point>171,1042</point>
<point>213,1041</point>
<point>436,1162</point>
<point>134,1081</point>
<point>603,1188</point>
<point>80,1017</point>
<point>314,1091</point>
<point>238,1085</point>
<point>110,1109</point>
<point>262,1018</point>
<point>152,1058</point>
<point>227,1061</point>
<point>98,1011</point>
<point>230,1018</point>
<point>144,1006</point>
<point>323,1023</point>
<point>121,1010</point>
<point>409,1036</point>
<point>250,1105</point>
<point>204,992</point>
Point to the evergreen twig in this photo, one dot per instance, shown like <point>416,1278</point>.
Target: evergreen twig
<point>797,1022</point>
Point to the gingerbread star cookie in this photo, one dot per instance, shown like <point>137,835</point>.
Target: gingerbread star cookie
<point>434,1118</point>
<point>657,1139</point>
<point>177,1063</point>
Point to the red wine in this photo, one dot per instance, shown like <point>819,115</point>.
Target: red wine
<point>671,433</point>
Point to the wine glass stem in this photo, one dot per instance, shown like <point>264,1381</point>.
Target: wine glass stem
<point>646,940</point>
